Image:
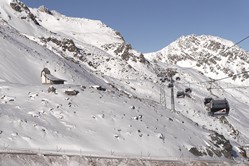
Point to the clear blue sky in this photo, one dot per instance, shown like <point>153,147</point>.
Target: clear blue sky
<point>150,25</point>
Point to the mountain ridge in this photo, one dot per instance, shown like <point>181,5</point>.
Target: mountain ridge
<point>208,54</point>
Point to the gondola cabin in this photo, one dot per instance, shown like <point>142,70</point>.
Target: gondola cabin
<point>218,106</point>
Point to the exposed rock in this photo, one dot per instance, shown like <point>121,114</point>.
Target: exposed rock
<point>110,46</point>
<point>119,35</point>
<point>234,132</point>
<point>210,152</point>
<point>51,89</point>
<point>20,7</point>
<point>33,18</point>
<point>71,92</point>
<point>243,152</point>
<point>222,145</point>
<point>16,7</point>
<point>45,10</point>
<point>133,107</point>
<point>195,152</point>
<point>100,88</point>
<point>65,44</point>
<point>142,58</point>
<point>161,136</point>
<point>219,147</point>
<point>124,51</point>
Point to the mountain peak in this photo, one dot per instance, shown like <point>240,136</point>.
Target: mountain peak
<point>44,9</point>
<point>212,55</point>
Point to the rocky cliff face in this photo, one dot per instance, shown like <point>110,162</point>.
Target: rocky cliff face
<point>22,8</point>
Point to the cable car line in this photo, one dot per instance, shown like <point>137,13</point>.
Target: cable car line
<point>235,44</point>
<point>213,80</point>
<point>235,87</point>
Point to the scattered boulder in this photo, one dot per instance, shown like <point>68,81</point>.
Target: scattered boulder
<point>171,119</point>
<point>11,99</point>
<point>98,87</point>
<point>178,78</point>
<point>180,94</point>
<point>71,92</point>
<point>195,152</point>
<point>7,99</point>
<point>188,90</point>
<point>160,136</point>
<point>135,118</point>
<point>101,88</point>
<point>82,87</point>
<point>139,117</point>
<point>132,107</point>
<point>51,89</point>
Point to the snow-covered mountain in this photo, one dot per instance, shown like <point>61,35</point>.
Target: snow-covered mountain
<point>119,108</point>
<point>213,56</point>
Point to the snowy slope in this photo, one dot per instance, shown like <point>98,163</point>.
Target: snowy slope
<point>127,119</point>
<point>23,60</point>
<point>83,30</point>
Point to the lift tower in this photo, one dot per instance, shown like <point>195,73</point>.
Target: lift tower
<point>171,73</point>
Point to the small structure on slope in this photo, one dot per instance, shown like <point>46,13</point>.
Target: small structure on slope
<point>48,78</point>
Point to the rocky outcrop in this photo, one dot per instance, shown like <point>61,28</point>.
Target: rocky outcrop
<point>124,51</point>
<point>20,7</point>
<point>233,132</point>
<point>219,146</point>
<point>45,10</point>
<point>65,44</point>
